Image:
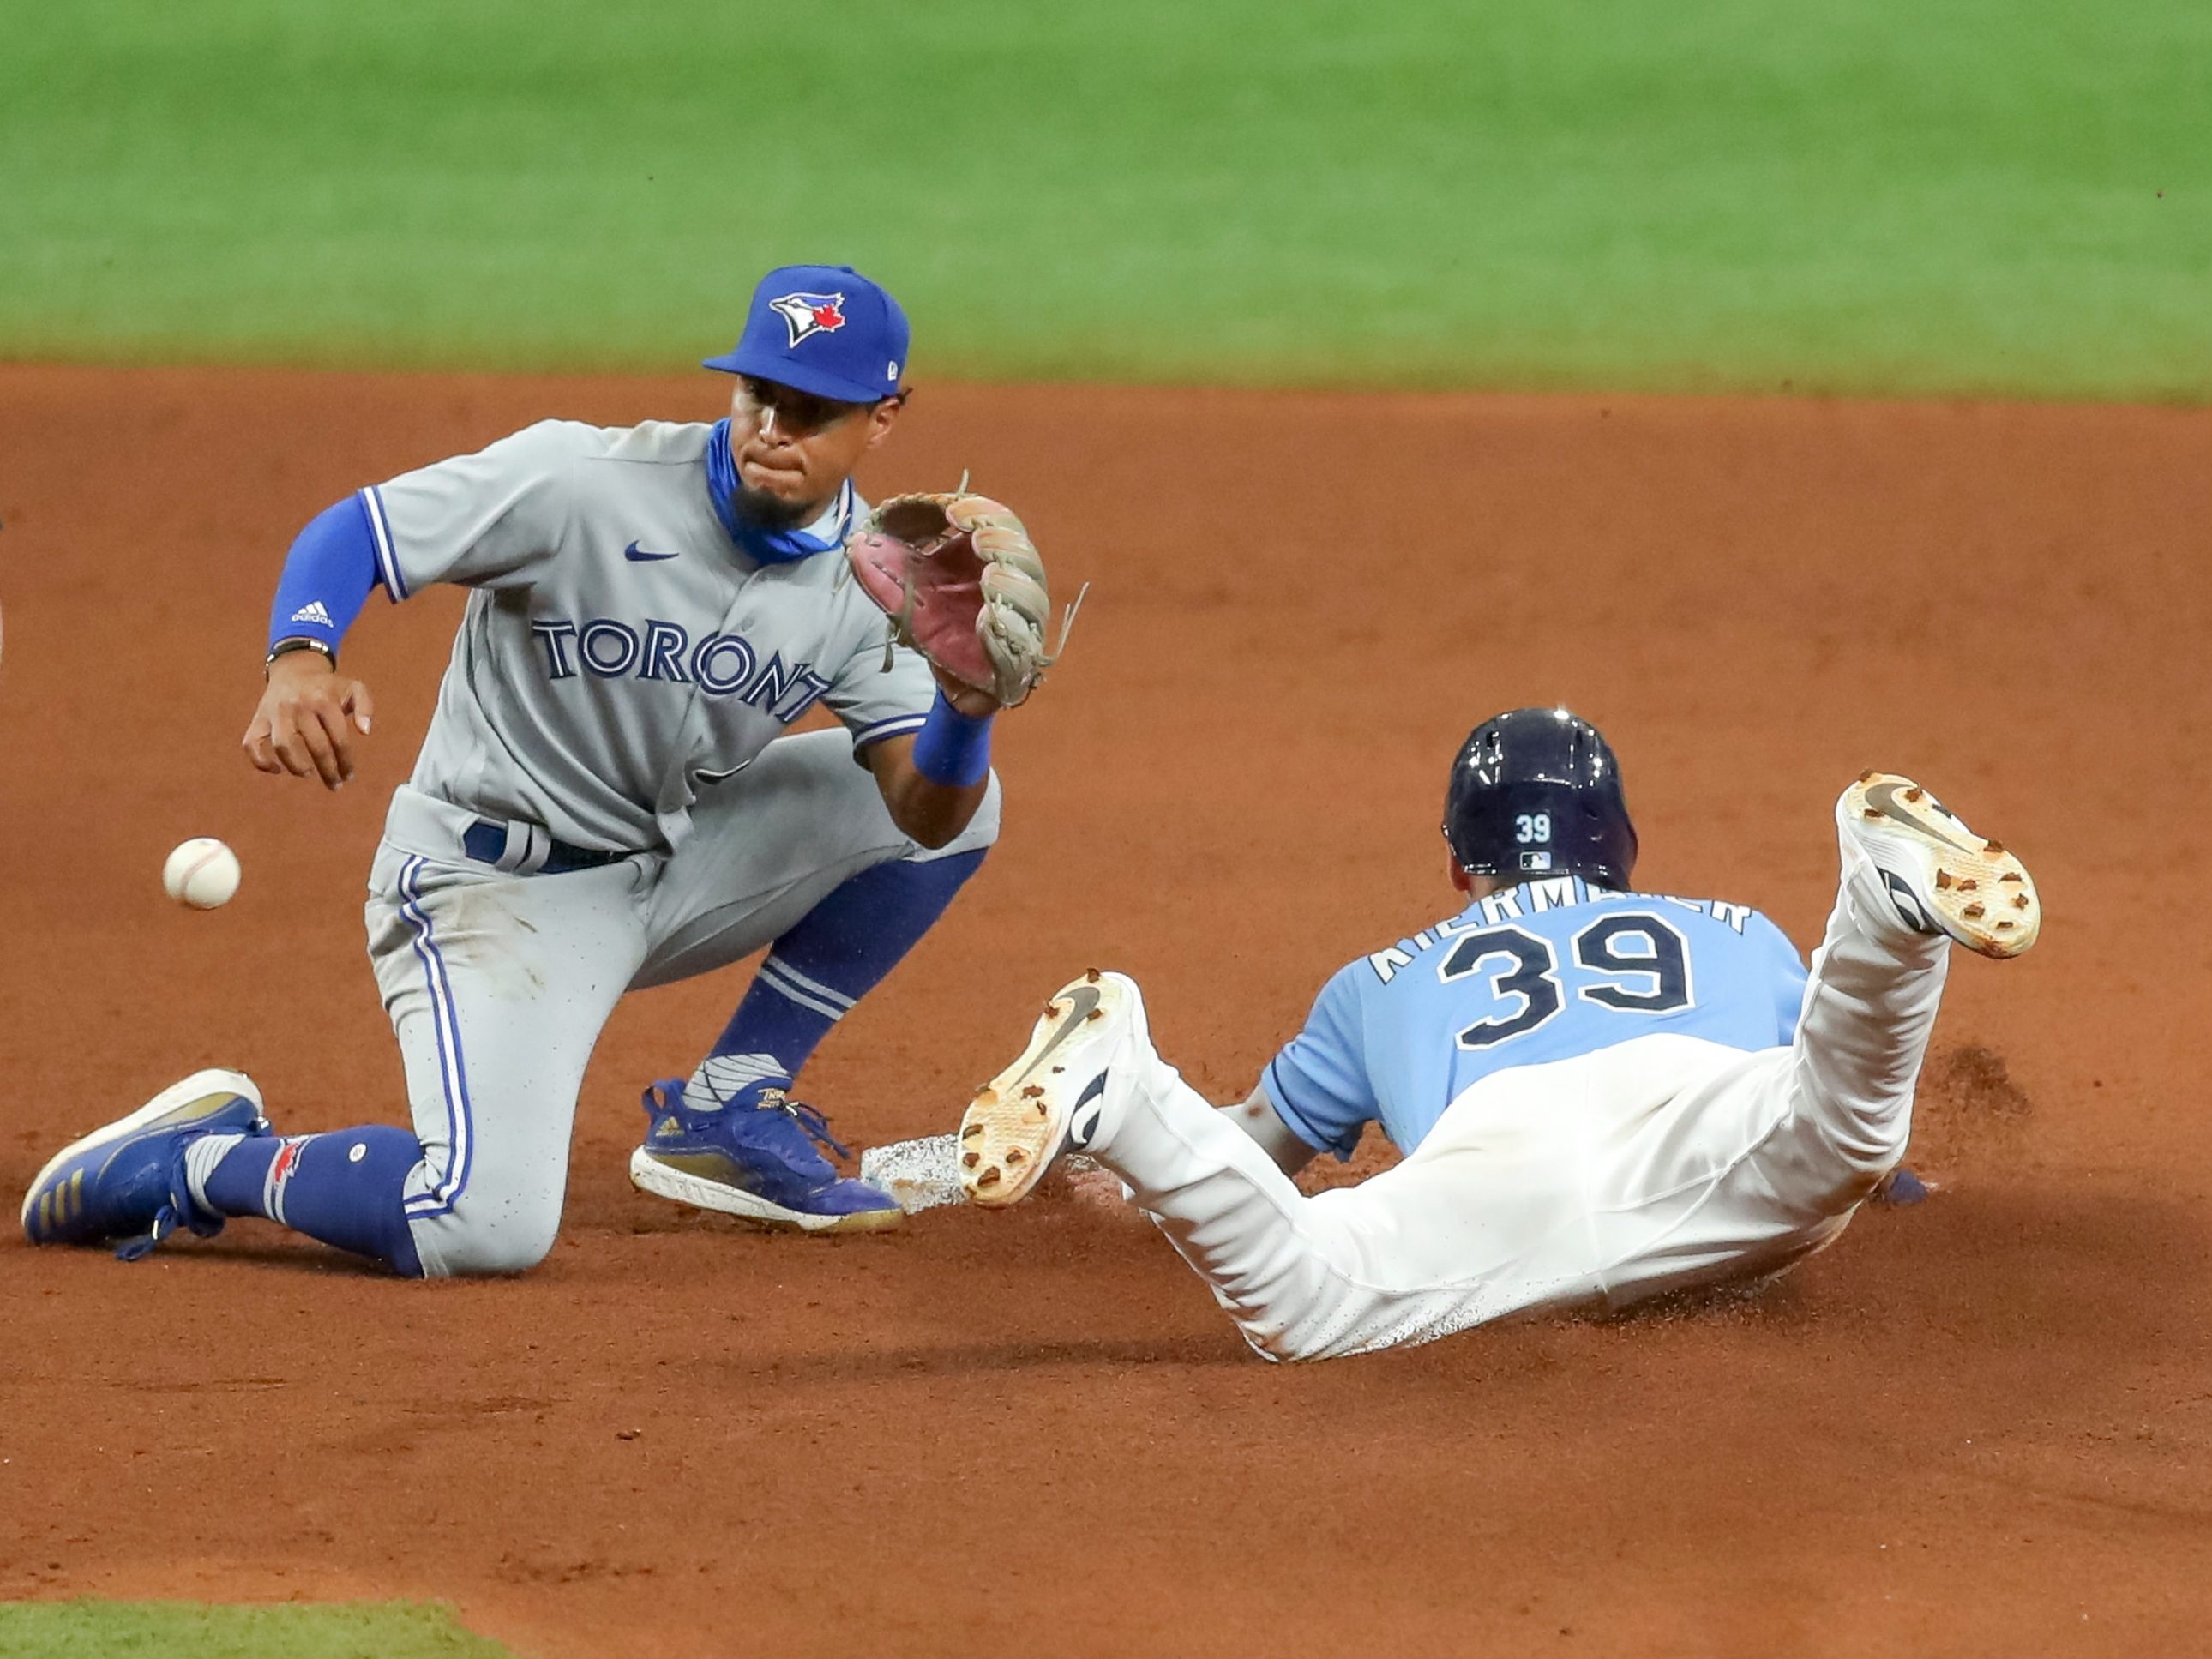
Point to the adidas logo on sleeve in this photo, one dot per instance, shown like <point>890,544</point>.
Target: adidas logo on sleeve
<point>312,611</point>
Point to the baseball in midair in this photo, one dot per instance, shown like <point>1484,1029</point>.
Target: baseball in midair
<point>202,873</point>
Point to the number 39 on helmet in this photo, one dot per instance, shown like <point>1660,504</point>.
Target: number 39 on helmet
<point>1536,792</point>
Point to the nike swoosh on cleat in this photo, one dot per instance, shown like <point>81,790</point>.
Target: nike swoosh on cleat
<point>1883,799</point>
<point>637,555</point>
<point>1080,1002</point>
<point>1082,1127</point>
<point>1909,910</point>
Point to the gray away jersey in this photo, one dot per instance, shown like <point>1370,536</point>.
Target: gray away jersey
<point>619,649</point>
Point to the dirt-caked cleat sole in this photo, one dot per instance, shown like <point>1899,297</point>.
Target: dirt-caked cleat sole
<point>1020,1120</point>
<point>1943,877</point>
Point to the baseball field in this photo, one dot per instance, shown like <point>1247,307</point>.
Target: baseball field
<point>1789,394</point>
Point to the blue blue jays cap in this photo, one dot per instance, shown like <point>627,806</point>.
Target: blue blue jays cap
<point>823,329</point>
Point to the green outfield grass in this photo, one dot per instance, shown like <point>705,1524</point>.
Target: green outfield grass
<point>171,1630</point>
<point>2009,196</point>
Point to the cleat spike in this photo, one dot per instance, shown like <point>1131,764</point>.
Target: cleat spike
<point>1091,974</point>
<point>1014,1154</point>
<point>1969,885</point>
<point>1972,913</point>
<point>2020,902</point>
<point>1993,847</point>
<point>971,1160</point>
<point>1943,881</point>
<point>971,1132</point>
<point>989,1178</point>
<point>1915,793</point>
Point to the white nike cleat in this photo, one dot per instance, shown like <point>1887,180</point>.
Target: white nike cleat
<point>1053,1099</point>
<point>1938,876</point>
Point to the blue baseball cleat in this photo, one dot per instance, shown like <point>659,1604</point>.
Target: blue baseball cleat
<point>1900,1188</point>
<point>125,1182</point>
<point>758,1156</point>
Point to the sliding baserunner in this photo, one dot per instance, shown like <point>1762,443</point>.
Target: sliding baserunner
<point>1603,1095</point>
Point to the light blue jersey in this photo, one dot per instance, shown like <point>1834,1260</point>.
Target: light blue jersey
<point>1548,970</point>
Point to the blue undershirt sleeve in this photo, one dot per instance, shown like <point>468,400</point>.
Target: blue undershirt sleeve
<point>327,576</point>
<point>1319,1084</point>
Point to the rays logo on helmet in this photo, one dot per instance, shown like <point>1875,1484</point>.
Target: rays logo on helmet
<point>808,314</point>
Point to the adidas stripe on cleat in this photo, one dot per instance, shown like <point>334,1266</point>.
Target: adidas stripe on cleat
<point>124,1183</point>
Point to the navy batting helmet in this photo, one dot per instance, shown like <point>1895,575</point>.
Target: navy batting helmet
<point>1536,792</point>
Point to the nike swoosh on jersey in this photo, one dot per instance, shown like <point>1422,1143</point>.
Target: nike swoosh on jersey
<point>637,555</point>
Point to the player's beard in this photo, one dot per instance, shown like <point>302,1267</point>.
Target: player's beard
<point>757,506</point>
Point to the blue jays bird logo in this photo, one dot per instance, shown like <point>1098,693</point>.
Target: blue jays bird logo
<point>808,314</point>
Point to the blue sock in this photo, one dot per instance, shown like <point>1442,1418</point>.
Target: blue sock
<point>838,953</point>
<point>348,1188</point>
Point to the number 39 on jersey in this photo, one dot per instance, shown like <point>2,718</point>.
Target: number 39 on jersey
<point>1628,960</point>
<point>1532,973</point>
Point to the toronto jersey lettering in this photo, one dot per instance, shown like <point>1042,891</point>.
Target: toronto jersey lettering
<point>620,650</point>
<point>1544,971</point>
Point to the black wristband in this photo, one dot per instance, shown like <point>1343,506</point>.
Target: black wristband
<point>297,643</point>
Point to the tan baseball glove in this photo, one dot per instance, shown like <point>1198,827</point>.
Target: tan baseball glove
<point>962,584</point>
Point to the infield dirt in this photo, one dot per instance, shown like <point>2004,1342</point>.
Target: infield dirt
<point>1982,1425</point>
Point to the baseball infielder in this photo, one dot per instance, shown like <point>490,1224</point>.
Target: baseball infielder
<point>606,799</point>
<point>1603,1095</point>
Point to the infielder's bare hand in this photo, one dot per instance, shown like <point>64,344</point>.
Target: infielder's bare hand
<point>307,720</point>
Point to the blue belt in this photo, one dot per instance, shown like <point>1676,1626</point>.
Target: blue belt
<point>525,849</point>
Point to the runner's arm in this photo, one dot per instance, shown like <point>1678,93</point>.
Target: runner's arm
<point>1258,1118</point>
